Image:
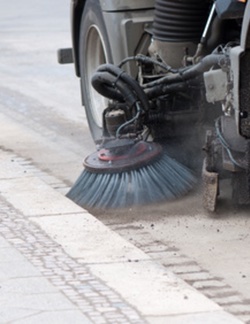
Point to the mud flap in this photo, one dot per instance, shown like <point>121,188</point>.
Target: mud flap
<point>210,181</point>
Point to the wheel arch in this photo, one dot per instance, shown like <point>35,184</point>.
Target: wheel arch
<point>108,6</point>
<point>77,7</point>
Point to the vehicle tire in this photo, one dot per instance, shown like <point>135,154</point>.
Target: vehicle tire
<point>94,50</point>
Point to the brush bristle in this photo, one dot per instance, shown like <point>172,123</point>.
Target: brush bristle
<point>165,179</point>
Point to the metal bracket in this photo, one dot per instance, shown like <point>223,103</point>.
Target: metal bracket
<point>65,56</point>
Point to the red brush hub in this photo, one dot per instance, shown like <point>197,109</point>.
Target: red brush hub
<point>117,159</point>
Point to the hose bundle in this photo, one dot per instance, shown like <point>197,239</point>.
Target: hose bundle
<point>114,83</point>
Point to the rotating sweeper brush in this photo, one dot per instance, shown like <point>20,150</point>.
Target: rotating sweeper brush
<point>137,174</point>
<point>127,169</point>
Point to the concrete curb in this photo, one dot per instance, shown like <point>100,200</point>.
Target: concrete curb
<point>157,294</point>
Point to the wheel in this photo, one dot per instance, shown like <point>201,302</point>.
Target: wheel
<point>94,50</point>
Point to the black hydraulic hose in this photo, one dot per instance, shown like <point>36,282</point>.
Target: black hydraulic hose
<point>128,80</point>
<point>204,65</point>
<point>147,60</point>
<point>129,121</point>
<point>163,89</point>
<point>116,84</point>
<point>103,82</point>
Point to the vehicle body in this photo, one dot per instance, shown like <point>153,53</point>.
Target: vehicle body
<point>192,60</point>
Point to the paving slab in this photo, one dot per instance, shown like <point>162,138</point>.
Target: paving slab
<point>86,238</point>
<point>219,317</point>
<point>52,317</point>
<point>154,290</point>
<point>34,198</point>
<point>27,297</point>
<point>13,269</point>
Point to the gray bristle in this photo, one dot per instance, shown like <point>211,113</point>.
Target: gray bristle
<point>165,179</point>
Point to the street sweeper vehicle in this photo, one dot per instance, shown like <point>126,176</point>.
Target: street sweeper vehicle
<point>159,79</point>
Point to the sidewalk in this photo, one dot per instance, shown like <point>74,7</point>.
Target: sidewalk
<point>59,264</point>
